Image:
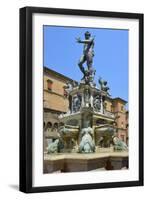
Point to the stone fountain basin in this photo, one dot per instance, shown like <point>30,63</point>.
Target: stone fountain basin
<point>75,162</point>
<point>105,129</point>
<point>69,131</point>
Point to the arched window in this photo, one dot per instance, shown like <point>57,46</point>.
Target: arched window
<point>55,126</point>
<point>49,125</point>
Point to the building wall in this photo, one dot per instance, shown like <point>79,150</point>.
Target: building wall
<point>127,126</point>
<point>55,102</point>
<point>118,105</point>
<point>54,99</point>
<point>57,85</point>
<point>121,119</point>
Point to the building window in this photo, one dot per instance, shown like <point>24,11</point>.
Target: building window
<point>123,138</point>
<point>49,84</point>
<point>49,126</point>
<point>122,125</point>
<point>55,127</point>
<point>127,116</point>
<point>43,124</point>
<point>122,108</point>
<point>65,94</point>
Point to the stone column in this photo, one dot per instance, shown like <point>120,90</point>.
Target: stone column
<point>71,104</point>
<point>82,103</point>
<point>102,107</point>
<point>91,100</point>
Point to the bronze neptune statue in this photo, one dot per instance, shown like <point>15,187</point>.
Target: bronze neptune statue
<point>87,56</point>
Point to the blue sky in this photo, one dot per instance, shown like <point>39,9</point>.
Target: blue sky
<point>61,53</point>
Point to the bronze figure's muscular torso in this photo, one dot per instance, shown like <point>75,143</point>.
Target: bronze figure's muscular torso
<point>88,53</point>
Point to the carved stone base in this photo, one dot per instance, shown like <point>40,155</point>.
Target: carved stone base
<point>77,162</point>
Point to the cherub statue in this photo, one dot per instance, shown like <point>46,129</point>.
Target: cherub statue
<point>97,103</point>
<point>103,85</point>
<point>77,103</point>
